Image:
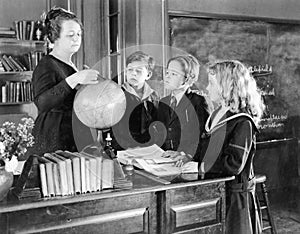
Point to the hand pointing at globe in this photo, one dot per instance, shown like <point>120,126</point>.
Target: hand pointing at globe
<point>88,76</point>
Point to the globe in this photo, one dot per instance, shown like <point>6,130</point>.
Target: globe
<point>100,105</point>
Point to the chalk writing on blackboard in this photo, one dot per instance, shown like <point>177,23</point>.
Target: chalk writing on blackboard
<point>273,121</point>
<point>262,73</point>
<point>260,70</point>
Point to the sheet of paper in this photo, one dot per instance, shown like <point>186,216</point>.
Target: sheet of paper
<point>152,152</point>
<point>159,169</point>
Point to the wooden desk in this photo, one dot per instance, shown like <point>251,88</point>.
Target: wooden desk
<point>149,207</point>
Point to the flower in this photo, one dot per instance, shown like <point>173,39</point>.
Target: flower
<point>15,139</point>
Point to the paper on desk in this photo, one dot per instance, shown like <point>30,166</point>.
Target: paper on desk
<point>166,169</point>
<point>149,159</point>
<point>190,167</point>
<point>153,153</point>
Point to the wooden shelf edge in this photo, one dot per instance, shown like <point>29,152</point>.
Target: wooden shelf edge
<point>14,103</point>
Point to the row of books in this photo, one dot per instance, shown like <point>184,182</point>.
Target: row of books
<point>26,62</point>
<point>16,91</point>
<point>7,32</point>
<point>64,173</point>
<point>29,30</point>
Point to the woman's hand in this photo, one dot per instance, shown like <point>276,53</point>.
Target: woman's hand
<point>88,76</point>
<point>180,157</point>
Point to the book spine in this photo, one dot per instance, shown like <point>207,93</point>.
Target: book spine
<point>43,180</point>
<point>57,186</point>
<point>82,174</point>
<point>76,174</point>
<point>68,174</point>
<point>10,64</point>
<point>99,174</point>
<point>87,175</point>
<point>107,174</point>
<point>16,64</point>
<point>18,84</point>
<point>3,93</point>
<point>32,23</point>
<point>7,68</point>
<point>17,30</point>
<point>75,161</point>
<point>50,178</point>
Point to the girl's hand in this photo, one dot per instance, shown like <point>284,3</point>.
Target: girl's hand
<point>180,157</point>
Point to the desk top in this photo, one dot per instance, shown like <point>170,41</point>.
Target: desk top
<point>141,184</point>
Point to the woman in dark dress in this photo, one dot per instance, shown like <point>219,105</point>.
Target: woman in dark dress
<point>55,80</point>
<point>229,144</point>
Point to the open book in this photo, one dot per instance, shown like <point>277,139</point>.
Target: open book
<point>150,159</point>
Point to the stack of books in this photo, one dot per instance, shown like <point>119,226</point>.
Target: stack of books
<point>7,32</point>
<point>64,173</point>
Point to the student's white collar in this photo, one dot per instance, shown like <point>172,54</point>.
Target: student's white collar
<point>147,90</point>
<point>179,94</point>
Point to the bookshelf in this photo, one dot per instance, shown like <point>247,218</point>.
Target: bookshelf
<point>21,57</point>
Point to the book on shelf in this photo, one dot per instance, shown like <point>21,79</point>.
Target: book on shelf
<point>107,174</point>
<point>43,177</point>
<point>3,94</point>
<point>69,172</point>
<point>1,67</point>
<point>49,176</point>
<point>16,91</point>
<point>61,176</point>
<point>97,170</point>
<point>75,159</point>
<point>17,65</point>
<point>82,172</point>
<point>91,172</point>
<point>6,66</point>
<point>25,29</point>
<point>11,64</point>
<point>7,32</point>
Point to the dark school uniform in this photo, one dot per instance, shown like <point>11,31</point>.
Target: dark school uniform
<point>228,149</point>
<point>179,129</point>
<point>54,98</point>
<point>133,128</point>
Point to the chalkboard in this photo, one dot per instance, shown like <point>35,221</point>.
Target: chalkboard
<point>271,50</point>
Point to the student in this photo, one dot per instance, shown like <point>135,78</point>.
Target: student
<point>183,113</point>
<point>141,104</point>
<point>54,81</point>
<point>229,144</point>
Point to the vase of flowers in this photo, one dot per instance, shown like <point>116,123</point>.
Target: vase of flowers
<point>15,139</point>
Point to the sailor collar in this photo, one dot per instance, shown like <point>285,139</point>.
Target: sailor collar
<point>224,121</point>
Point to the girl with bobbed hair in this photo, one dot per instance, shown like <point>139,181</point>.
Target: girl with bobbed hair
<point>229,145</point>
<point>229,142</point>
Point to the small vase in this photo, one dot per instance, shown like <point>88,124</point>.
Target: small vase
<point>12,164</point>
<point>6,180</point>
